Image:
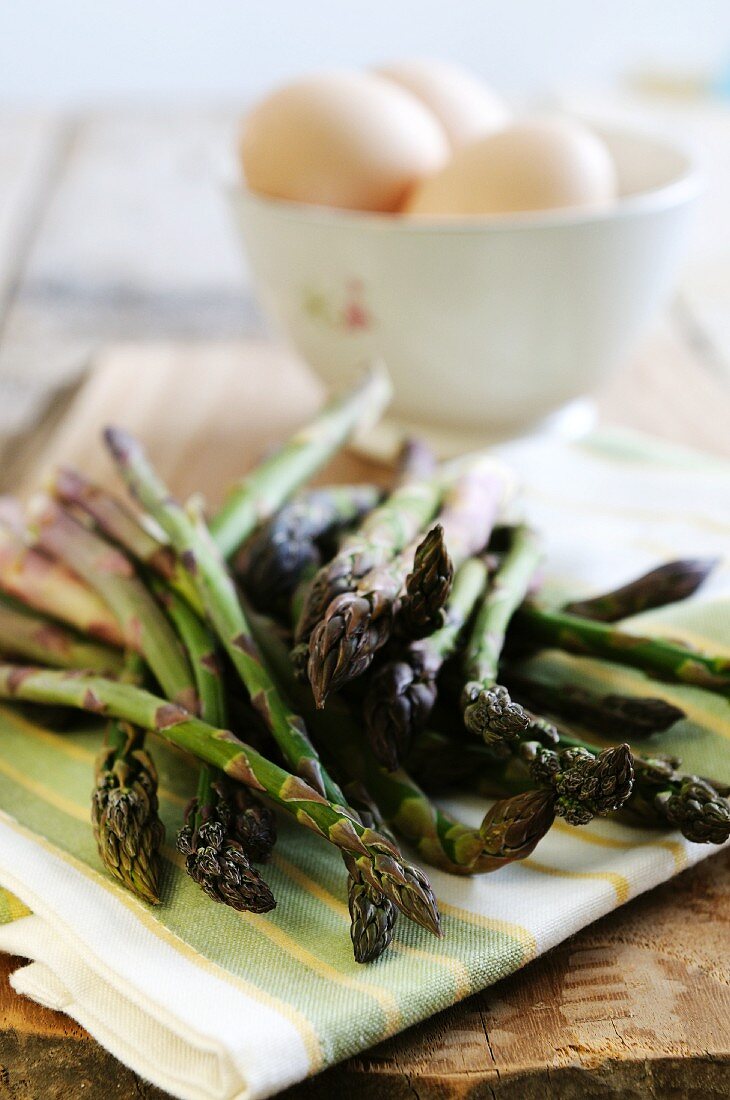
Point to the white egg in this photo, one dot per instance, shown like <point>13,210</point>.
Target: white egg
<point>351,140</point>
<point>464,105</point>
<point>544,163</point>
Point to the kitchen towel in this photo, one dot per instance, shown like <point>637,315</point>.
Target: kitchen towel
<point>211,1004</point>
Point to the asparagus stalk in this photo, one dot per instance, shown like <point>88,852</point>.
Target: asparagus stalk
<point>468,513</point>
<point>272,562</point>
<point>632,716</point>
<point>669,583</point>
<point>375,857</point>
<point>402,692</point>
<point>658,657</point>
<point>266,488</point>
<point>48,586</point>
<point>586,782</point>
<point>415,462</point>
<point>34,638</point>
<point>123,528</point>
<point>228,816</point>
<point>220,599</point>
<point>487,707</point>
<point>202,653</point>
<point>112,576</point>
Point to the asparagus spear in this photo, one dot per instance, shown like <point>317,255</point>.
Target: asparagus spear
<point>124,814</point>
<point>266,488</point>
<point>112,576</point>
<point>692,804</point>
<point>124,810</point>
<point>122,527</point>
<point>468,513</point>
<point>358,622</point>
<point>420,611</point>
<point>34,638</point>
<point>402,692</point>
<point>253,825</point>
<point>271,563</point>
<point>372,914</point>
<point>48,586</point>
<point>217,592</point>
<point>669,583</point>
<point>214,858</point>
<point>375,857</point>
<point>658,657</point>
<point>355,625</point>
<point>487,707</point>
<point>632,716</point>
<point>383,535</point>
<point>586,784</point>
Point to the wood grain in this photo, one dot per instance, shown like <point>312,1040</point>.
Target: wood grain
<point>206,414</point>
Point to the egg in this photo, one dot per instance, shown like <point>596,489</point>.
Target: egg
<point>465,106</point>
<point>350,140</point>
<point>544,163</point>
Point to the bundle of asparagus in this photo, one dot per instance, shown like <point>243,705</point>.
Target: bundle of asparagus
<point>411,609</point>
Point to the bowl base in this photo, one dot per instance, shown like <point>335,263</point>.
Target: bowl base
<point>383,441</point>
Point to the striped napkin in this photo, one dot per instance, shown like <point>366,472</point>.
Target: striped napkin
<point>209,1003</point>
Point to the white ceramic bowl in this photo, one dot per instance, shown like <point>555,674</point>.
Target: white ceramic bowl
<point>486,326</point>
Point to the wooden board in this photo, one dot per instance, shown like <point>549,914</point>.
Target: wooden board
<point>638,1005</point>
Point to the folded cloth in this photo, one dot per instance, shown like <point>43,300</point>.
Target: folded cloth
<point>209,1003</point>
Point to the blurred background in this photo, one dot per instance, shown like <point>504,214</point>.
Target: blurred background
<point>70,53</point>
<point>118,124</point>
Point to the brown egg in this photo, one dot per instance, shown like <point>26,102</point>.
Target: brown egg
<point>351,140</point>
<point>466,108</point>
<point>540,164</point>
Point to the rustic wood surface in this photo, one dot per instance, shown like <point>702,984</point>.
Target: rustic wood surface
<point>111,230</point>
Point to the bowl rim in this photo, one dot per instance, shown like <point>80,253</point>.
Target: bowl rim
<point>685,187</point>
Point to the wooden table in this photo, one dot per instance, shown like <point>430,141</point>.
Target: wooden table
<point>111,230</point>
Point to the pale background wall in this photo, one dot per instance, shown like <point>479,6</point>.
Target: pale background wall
<point>71,52</point>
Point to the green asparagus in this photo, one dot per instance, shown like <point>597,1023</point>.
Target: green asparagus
<point>658,657</point>
<point>669,583</point>
<point>266,488</point>
<point>486,705</point>
<point>402,692</point>
<point>112,576</point>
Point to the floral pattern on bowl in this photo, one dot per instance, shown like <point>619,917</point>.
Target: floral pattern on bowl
<point>349,314</point>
